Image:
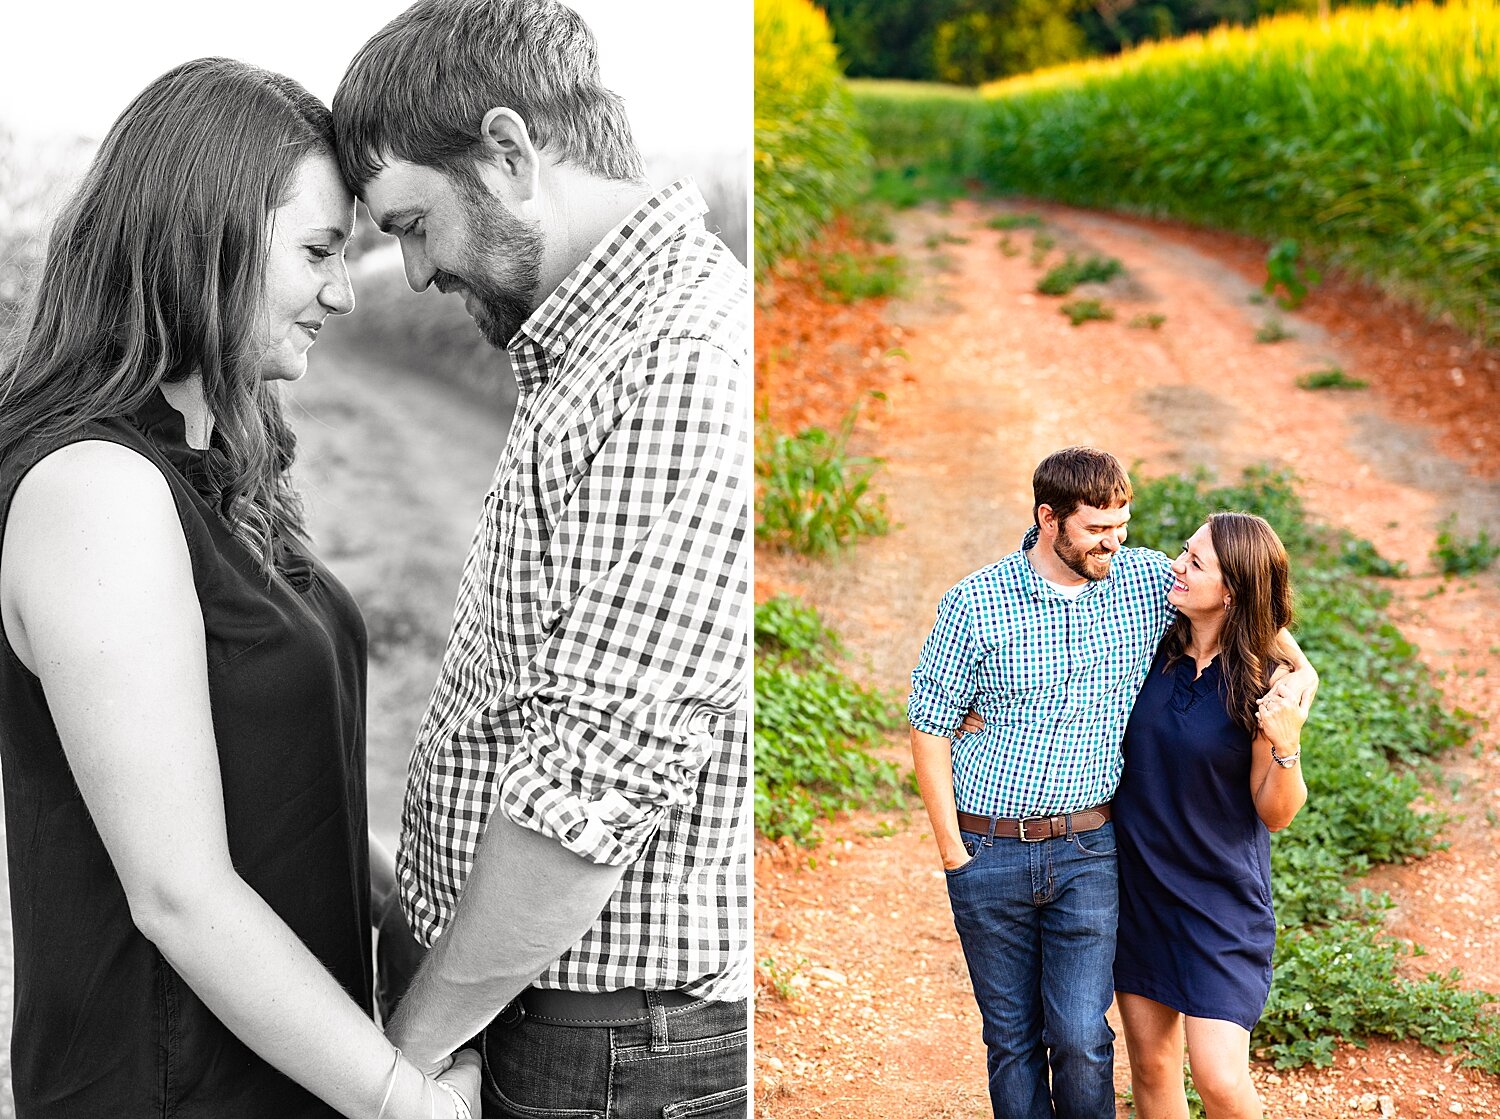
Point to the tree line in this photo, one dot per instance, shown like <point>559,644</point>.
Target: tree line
<point>967,42</point>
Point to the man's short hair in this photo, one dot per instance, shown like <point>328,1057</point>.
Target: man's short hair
<point>419,89</point>
<point>1077,476</point>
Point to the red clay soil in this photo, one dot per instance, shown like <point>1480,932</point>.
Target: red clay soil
<point>864,1007</point>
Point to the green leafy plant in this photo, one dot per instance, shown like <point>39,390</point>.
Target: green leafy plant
<point>1041,245</point>
<point>1283,271</point>
<point>813,728</point>
<point>1273,330</point>
<point>812,495</point>
<point>1066,276</point>
<point>1463,555</point>
<point>1148,321</point>
<point>1332,378</point>
<point>1086,310</point>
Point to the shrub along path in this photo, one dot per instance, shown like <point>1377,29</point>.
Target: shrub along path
<point>864,1008</point>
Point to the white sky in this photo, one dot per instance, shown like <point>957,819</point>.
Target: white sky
<point>71,66</point>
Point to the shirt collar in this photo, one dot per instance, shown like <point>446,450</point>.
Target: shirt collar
<point>584,292</point>
<point>1038,587</point>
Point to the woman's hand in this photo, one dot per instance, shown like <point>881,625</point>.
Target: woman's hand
<point>457,1086</point>
<point>1281,718</point>
<point>972,723</point>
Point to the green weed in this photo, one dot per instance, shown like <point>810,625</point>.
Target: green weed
<point>1041,245</point>
<point>812,496</point>
<point>1086,310</point>
<point>1284,272</point>
<point>1148,321</point>
<point>1070,273</point>
<point>1006,222</point>
<point>1273,330</point>
<point>1332,378</point>
<point>1461,555</point>
<point>1007,247</point>
<point>848,277</point>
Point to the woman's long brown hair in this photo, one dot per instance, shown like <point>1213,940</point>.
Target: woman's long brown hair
<point>155,269</point>
<point>1257,577</point>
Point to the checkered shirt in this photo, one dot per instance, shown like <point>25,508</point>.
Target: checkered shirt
<point>595,685</point>
<point>1054,678</point>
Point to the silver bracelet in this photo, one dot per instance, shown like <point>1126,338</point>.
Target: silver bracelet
<point>1287,761</point>
<point>390,1085</point>
<point>460,1105</point>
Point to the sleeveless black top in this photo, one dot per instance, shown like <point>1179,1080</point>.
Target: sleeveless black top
<point>103,1025</point>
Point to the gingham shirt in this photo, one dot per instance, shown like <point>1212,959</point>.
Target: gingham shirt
<point>595,684</point>
<point>1054,677</point>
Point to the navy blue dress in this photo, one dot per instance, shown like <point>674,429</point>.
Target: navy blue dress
<point>1196,927</point>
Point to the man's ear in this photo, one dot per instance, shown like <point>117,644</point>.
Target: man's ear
<point>1046,520</point>
<point>507,143</point>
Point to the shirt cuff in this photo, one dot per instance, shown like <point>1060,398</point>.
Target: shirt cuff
<point>606,828</point>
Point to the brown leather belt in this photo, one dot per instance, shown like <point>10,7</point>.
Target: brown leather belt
<point>1034,829</point>
<point>624,1007</point>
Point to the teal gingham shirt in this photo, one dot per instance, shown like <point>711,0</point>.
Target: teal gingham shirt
<point>1054,678</point>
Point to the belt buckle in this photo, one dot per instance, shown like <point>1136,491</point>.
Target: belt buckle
<point>1021,829</point>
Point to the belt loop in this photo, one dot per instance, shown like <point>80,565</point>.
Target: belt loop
<point>658,1015</point>
<point>989,840</point>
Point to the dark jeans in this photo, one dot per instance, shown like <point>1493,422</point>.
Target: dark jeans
<point>691,1060</point>
<point>1037,923</point>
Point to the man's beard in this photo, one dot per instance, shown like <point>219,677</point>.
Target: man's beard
<point>504,267</point>
<point>1088,565</point>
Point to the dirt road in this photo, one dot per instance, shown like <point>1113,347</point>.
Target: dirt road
<point>865,1009</point>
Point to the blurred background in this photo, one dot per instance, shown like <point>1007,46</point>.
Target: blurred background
<point>404,408</point>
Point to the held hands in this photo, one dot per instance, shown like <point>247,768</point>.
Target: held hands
<point>455,1090</point>
<point>972,723</point>
<point>1281,717</point>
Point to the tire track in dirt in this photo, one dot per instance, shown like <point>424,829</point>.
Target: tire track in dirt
<point>881,1021</point>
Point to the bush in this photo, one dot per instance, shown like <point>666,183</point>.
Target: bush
<point>810,158</point>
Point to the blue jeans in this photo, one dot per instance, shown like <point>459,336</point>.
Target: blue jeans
<point>1037,924</point>
<point>690,1061</point>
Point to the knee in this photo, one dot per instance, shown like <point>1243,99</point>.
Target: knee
<point>1082,1038</point>
<point>1156,1072</point>
<point>1222,1084</point>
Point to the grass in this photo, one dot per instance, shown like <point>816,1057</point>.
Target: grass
<point>1461,555</point>
<point>1063,278</point>
<point>1153,320</point>
<point>814,727</point>
<point>812,496</point>
<point>1332,378</point>
<point>1086,310</point>
<point>1377,717</point>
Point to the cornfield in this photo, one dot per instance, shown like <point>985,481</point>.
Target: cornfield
<point>810,157</point>
<point>1372,137</point>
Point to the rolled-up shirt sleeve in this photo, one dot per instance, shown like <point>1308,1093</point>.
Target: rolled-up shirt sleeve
<point>942,684</point>
<point>645,648</point>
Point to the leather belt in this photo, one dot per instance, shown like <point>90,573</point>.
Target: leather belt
<point>624,1007</point>
<point>1034,829</point>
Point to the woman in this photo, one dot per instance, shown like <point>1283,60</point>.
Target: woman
<point>182,684</point>
<point>1210,770</point>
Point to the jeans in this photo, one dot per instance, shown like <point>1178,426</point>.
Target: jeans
<point>686,1061</point>
<point>1037,924</point>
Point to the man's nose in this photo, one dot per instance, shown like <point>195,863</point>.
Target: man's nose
<point>419,271</point>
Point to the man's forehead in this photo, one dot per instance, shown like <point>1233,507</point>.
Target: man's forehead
<point>1092,515</point>
<point>398,184</point>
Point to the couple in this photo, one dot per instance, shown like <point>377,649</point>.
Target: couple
<point>182,684</point>
<point>1039,669</point>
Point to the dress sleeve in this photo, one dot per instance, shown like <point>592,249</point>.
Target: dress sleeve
<point>638,674</point>
<point>942,684</point>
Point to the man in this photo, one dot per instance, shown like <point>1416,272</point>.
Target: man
<point>575,833</point>
<point>1050,645</point>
